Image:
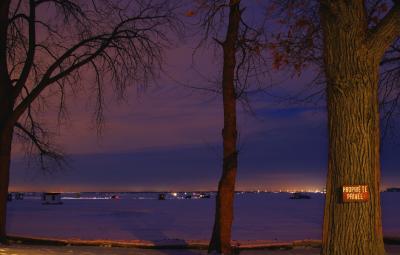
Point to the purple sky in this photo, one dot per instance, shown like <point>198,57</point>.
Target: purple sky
<point>168,137</point>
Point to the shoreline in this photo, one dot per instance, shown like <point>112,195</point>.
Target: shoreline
<point>177,243</point>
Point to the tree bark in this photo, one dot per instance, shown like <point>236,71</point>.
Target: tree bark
<point>6,119</point>
<point>352,73</point>
<point>221,236</point>
<point>6,134</point>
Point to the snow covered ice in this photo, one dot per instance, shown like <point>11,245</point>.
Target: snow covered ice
<point>263,216</point>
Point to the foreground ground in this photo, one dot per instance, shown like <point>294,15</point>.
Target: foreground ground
<point>46,250</point>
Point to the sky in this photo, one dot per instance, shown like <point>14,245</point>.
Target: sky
<point>168,137</point>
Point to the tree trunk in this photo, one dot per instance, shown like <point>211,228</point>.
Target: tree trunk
<point>6,123</point>
<point>6,135</point>
<point>221,236</point>
<point>5,157</point>
<point>353,228</point>
<point>352,73</point>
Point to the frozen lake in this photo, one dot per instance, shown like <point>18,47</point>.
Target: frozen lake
<point>263,216</point>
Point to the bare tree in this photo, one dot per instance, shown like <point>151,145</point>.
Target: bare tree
<point>244,62</point>
<point>51,46</point>
<point>353,42</point>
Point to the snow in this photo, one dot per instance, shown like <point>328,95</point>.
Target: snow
<point>119,251</point>
<point>51,250</point>
<point>263,216</point>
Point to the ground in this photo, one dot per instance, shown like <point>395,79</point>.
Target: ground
<point>48,250</point>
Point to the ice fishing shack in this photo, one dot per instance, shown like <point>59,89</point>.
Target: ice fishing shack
<point>51,198</point>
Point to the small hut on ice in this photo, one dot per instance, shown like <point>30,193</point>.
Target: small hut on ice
<point>51,198</point>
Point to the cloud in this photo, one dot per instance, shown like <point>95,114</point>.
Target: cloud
<point>269,154</point>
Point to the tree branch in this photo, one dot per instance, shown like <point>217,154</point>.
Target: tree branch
<point>381,36</point>
<point>31,51</point>
<point>44,149</point>
<point>47,79</point>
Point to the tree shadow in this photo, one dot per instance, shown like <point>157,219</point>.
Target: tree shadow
<point>165,244</point>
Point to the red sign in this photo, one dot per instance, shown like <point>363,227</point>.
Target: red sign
<point>355,193</point>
